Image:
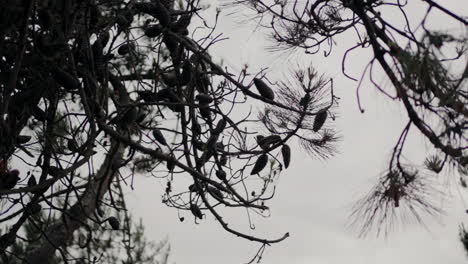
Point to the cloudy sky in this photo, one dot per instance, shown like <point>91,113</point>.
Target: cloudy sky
<point>314,197</point>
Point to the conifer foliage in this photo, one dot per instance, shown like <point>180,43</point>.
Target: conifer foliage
<point>94,94</point>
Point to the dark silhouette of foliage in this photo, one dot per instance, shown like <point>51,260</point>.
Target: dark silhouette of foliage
<point>426,71</point>
<point>103,245</point>
<point>463,237</point>
<point>95,92</point>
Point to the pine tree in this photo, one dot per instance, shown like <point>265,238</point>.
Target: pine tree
<point>414,60</point>
<point>96,93</point>
<point>84,85</point>
<point>126,244</point>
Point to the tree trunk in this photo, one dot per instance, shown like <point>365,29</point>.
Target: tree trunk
<point>58,233</point>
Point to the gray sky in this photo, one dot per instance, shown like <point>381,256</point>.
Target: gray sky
<point>314,197</point>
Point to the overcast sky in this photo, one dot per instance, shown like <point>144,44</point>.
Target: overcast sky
<point>314,197</point>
